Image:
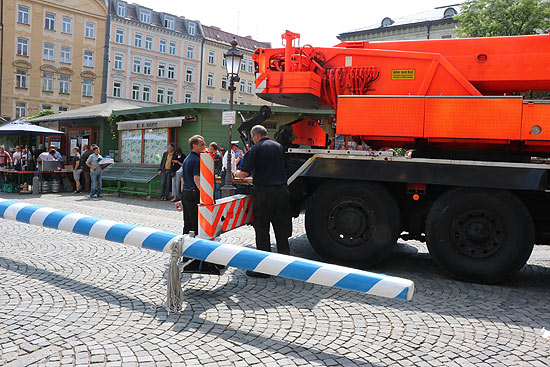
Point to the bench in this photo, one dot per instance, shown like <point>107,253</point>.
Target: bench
<point>131,179</point>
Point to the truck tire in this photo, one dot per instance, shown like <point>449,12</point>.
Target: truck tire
<point>479,235</point>
<point>353,224</point>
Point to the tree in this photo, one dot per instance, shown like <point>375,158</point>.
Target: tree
<point>490,18</point>
<point>40,114</point>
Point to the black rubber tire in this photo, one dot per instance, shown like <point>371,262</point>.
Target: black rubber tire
<point>352,223</point>
<point>479,235</point>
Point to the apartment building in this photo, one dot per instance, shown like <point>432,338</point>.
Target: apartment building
<point>154,58</point>
<point>436,23</point>
<point>214,77</point>
<point>53,53</point>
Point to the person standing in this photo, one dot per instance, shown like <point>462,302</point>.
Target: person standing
<point>218,164</point>
<point>265,162</point>
<point>77,170</point>
<point>164,172</point>
<point>85,169</point>
<point>5,158</point>
<point>17,158</point>
<point>191,183</point>
<point>93,162</point>
<point>235,159</point>
<point>176,172</point>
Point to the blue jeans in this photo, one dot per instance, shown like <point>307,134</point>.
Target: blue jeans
<point>96,180</point>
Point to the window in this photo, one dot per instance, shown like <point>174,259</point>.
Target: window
<point>121,9</point>
<point>89,59</point>
<point>20,109</point>
<point>209,99</point>
<point>243,65</point>
<point>90,30</point>
<point>162,70</point>
<point>47,82</point>
<point>149,42</point>
<point>223,100</point>
<point>49,21</point>
<point>210,80</point>
<point>48,51</point>
<point>251,66</point>
<point>224,82</point>
<point>138,38</point>
<point>119,61</point>
<point>21,78</point>
<point>223,61</point>
<point>170,96</point>
<point>249,87</point>
<point>189,75</point>
<point>65,54</point>
<point>190,52</point>
<point>169,22</point>
<point>162,46</point>
<point>145,16</point>
<point>22,14</point>
<point>117,89</point>
<point>211,57</point>
<point>23,47</point>
<point>242,86</point>
<point>160,95</point>
<point>192,28</point>
<point>63,109</point>
<point>137,65</point>
<point>119,35</point>
<point>64,85</point>
<point>135,92</point>
<point>87,88</point>
<point>147,66</point>
<point>147,93</point>
<point>46,107</point>
<point>67,25</point>
<point>172,48</point>
<point>171,72</point>
<point>188,97</point>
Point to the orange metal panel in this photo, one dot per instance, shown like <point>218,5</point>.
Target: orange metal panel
<point>380,116</point>
<point>536,122</point>
<point>473,118</point>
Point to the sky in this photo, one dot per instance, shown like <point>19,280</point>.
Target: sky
<point>318,22</point>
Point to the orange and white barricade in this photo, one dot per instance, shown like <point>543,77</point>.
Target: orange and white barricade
<point>217,217</point>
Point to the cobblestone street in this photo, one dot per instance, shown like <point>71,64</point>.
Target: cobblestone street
<point>70,300</point>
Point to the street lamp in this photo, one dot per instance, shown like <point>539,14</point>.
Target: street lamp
<point>233,59</point>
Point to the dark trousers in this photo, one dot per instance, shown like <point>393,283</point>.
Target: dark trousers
<point>190,201</point>
<point>272,205</point>
<point>165,184</point>
<point>87,181</point>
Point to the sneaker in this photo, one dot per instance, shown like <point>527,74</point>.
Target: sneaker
<point>255,274</point>
<point>99,196</point>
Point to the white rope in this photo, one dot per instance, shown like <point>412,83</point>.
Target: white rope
<point>174,292</point>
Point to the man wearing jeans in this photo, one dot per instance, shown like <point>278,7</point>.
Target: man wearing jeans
<point>93,162</point>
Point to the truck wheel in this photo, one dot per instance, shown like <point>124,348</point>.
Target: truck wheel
<point>354,224</point>
<point>478,235</point>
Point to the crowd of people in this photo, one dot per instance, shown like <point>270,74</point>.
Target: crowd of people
<point>25,158</point>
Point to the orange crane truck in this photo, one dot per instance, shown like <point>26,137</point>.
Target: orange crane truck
<point>464,107</point>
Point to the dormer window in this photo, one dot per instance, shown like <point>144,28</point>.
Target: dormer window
<point>145,16</point>
<point>449,13</point>
<point>169,22</point>
<point>192,28</point>
<point>121,9</point>
<point>386,22</point>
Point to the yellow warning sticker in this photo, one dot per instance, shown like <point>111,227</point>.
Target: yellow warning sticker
<point>402,74</point>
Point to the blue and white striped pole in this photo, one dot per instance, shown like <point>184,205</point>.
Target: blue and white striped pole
<point>215,252</point>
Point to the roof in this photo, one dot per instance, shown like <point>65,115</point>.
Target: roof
<point>191,108</point>
<point>439,14</point>
<point>95,111</point>
<point>217,35</point>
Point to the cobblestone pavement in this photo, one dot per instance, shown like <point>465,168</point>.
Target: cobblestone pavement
<point>69,300</point>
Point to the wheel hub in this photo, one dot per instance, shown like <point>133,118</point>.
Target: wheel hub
<point>350,223</point>
<point>478,234</point>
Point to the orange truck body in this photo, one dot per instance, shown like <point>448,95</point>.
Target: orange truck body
<point>460,93</point>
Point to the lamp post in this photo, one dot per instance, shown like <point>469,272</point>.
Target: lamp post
<point>233,59</point>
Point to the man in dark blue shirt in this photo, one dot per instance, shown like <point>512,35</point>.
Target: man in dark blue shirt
<point>191,183</point>
<point>265,162</point>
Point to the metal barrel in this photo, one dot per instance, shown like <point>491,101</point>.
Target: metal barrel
<point>223,254</point>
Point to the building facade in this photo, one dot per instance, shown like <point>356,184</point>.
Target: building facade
<point>437,23</point>
<point>214,77</point>
<point>52,56</point>
<point>154,58</point>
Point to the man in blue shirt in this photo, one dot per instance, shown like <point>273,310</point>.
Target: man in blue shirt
<point>191,182</point>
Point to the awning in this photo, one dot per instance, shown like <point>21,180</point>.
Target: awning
<point>154,123</point>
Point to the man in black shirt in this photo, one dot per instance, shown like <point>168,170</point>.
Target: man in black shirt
<point>191,182</point>
<point>265,162</point>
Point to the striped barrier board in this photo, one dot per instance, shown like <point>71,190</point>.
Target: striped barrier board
<point>218,253</point>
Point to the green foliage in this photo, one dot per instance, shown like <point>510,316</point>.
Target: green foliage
<point>40,114</point>
<point>491,18</point>
<point>112,124</point>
